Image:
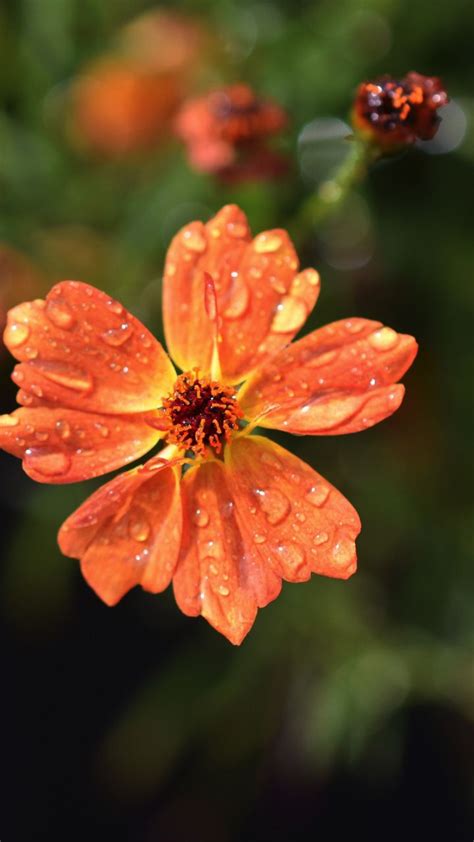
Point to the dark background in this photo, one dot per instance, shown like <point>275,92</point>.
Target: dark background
<point>348,710</point>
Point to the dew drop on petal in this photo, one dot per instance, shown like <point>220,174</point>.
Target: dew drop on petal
<point>213,569</point>
<point>139,528</point>
<point>290,315</point>
<point>41,435</point>
<point>115,307</point>
<point>117,336</point>
<point>16,334</point>
<point>383,339</point>
<point>59,314</point>
<point>238,298</point>
<point>193,240</point>
<point>317,495</point>
<point>343,552</point>
<point>201,517</point>
<point>270,459</point>
<point>8,421</point>
<point>30,352</point>
<point>292,554</point>
<point>102,429</point>
<point>274,504</point>
<point>237,230</point>
<point>223,590</point>
<point>36,390</point>
<point>320,538</point>
<point>321,359</point>
<point>70,377</point>
<point>354,327</point>
<point>266,243</point>
<point>47,462</point>
<point>259,538</point>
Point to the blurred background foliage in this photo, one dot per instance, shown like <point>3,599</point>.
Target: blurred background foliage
<point>350,704</point>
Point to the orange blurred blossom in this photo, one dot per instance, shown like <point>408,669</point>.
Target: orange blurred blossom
<point>223,514</point>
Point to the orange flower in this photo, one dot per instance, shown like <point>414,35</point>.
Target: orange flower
<point>394,113</point>
<point>223,514</point>
<point>119,107</point>
<point>224,132</point>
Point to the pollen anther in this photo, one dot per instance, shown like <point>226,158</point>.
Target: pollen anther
<point>202,413</point>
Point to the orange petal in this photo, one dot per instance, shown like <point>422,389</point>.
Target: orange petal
<point>83,350</point>
<point>65,445</point>
<point>220,575</point>
<point>338,379</point>
<point>128,532</point>
<point>298,523</point>
<point>262,301</point>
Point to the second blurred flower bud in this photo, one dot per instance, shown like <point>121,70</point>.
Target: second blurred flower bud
<point>393,113</point>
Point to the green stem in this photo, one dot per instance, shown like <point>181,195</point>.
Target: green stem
<point>333,192</point>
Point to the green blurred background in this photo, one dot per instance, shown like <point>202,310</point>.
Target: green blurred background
<point>349,707</point>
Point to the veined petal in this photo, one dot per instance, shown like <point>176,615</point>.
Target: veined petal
<point>298,523</point>
<point>81,349</point>
<point>66,445</point>
<point>338,379</point>
<point>128,532</point>
<point>262,299</point>
<point>220,574</point>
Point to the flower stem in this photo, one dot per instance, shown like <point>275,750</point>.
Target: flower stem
<point>333,192</point>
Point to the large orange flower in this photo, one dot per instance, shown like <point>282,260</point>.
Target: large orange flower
<point>223,514</point>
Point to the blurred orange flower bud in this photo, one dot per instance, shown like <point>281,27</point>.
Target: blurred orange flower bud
<point>120,108</point>
<point>165,42</point>
<point>392,113</point>
<point>225,133</point>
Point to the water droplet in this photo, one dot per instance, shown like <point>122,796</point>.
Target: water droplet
<point>18,376</point>
<point>267,242</point>
<point>30,352</point>
<point>139,528</point>
<point>213,569</point>
<point>71,378</point>
<point>290,315</point>
<point>42,435</point>
<point>223,590</point>
<point>145,340</point>
<point>319,360</point>
<point>63,428</point>
<point>273,504</point>
<point>237,230</point>
<point>270,459</point>
<point>317,495</point>
<point>300,516</point>
<point>194,240</point>
<point>102,429</point>
<point>343,552</point>
<point>320,538</point>
<point>115,307</point>
<point>259,538</point>
<point>383,339</point>
<point>170,269</point>
<point>59,314</point>
<point>36,390</point>
<point>47,462</point>
<point>354,327</point>
<point>292,554</point>
<point>201,517</point>
<point>16,334</point>
<point>117,336</point>
<point>238,297</point>
<point>8,421</point>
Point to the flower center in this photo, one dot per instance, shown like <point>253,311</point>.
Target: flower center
<point>202,413</point>
<point>390,102</point>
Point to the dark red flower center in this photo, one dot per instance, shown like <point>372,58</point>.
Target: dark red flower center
<point>202,413</point>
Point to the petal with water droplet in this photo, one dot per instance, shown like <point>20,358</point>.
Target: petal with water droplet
<point>84,351</point>
<point>128,532</point>
<point>219,574</point>
<point>316,521</point>
<point>338,379</point>
<point>262,301</point>
<point>66,445</point>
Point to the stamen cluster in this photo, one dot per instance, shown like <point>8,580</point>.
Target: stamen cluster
<point>202,413</point>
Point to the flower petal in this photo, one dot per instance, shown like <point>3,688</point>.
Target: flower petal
<point>262,301</point>
<point>220,574</point>
<point>298,523</point>
<point>337,379</point>
<point>128,532</point>
<point>65,445</point>
<point>83,350</point>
